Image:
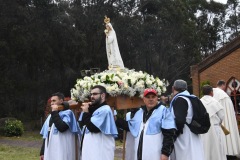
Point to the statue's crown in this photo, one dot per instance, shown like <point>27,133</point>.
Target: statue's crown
<point>106,20</point>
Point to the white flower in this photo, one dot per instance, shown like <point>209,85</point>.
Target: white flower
<point>133,80</point>
<point>159,82</point>
<point>148,82</point>
<point>116,79</point>
<point>124,82</point>
<point>103,78</point>
<point>140,84</point>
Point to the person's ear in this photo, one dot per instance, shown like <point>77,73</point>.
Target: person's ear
<point>144,100</point>
<point>211,93</point>
<point>103,95</point>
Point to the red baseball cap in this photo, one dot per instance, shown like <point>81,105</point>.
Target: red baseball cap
<point>149,90</point>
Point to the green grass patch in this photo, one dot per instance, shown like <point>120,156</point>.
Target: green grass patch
<point>26,153</point>
<point>27,136</point>
<point>18,153</point>
<point>31,136</point>
<point>118,143</point>
<point>21,153</point>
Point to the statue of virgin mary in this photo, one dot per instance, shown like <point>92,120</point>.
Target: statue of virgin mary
<point>113,54</point>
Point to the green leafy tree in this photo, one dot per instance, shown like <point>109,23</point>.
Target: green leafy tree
<point>44,44</point>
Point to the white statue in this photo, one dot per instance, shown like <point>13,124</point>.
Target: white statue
<point>113,53</point>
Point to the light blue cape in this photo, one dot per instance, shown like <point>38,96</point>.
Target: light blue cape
<point>103,119</point>
<point>160,118</point>
<point>68,117</point>
<point>128,116</point>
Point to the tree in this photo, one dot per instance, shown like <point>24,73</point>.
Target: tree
<point>44,44</point>
<point>233,21</point>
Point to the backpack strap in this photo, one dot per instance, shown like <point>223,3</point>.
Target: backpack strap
<point>188,120</point>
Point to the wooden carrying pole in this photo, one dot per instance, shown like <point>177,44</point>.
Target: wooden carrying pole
<point>124,139</point>
<point>125,102</point>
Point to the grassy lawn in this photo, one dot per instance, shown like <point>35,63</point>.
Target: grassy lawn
<point>26,153</point>
<point>18,153</point>
<point>21,153</point>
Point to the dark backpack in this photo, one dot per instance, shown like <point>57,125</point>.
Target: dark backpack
<point>200,123</point>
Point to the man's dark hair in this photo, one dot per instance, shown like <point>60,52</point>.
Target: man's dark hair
<point>101,88</point>
<point>207,89</point>
<point>59,95</point>
<point>220,83</point>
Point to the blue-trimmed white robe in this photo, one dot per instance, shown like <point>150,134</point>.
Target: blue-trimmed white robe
<point>129,152</point>
<point>100,146</point>
<point>152,137</point>
<point>188,146</point>
<point>61,145</point>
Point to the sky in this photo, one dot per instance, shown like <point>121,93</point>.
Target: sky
<point>220,1</point>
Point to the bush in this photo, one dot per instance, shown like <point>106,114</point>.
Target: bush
<point>13,128</point>
<point>201,85</point>
<point>2,124</point>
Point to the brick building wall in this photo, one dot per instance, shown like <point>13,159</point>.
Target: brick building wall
<point>221,65</point>
<point>195,79</point>
<point>223,68</point>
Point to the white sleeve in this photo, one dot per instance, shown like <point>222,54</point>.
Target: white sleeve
<point>220,115</point>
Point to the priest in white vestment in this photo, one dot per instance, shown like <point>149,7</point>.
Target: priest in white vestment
<point>214,140</point>
<point>230,122</point>
<point>113,53</point>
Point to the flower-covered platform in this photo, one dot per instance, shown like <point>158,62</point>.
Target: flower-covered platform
<point>124,86</point>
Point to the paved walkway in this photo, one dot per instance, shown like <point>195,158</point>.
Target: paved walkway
<point>22,143</point>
